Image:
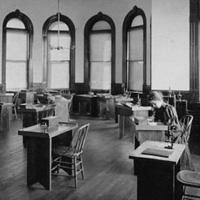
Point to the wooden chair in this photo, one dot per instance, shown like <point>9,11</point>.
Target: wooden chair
<point>70,105</point>
<point>183,138</point>
<point>70,159</point>
<point>15,104</point>
<point>186,124</point>
<point>189,179</point>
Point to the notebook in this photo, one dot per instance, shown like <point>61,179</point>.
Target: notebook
<point>157,152</point>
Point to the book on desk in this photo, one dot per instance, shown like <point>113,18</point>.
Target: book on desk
<point>157,152</point>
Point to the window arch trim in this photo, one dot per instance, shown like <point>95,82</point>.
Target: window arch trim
<point>87,30</point>
<point>29,28</point>
<point>126,27</point>
<point>71,31</point>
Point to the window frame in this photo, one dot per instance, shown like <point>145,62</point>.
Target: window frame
<point>45,30</point>
<point>29,29</point>
<point>126,27</point>
<point>88,29</point>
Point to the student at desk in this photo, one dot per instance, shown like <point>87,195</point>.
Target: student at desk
<point>167,114</point>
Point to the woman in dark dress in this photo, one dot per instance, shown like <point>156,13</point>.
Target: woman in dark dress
<point>167,114</point>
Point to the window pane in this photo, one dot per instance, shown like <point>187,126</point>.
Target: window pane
<point>15,76</point>
<point>16,48</point>
<point>135,76</point>
<point>101,25</point>
<point>15,23</point>
<point>135,45</point>
<point>62,26</point>
<point>101,75</point>
<point>100,45</point>
<point>63,41</point>
<point>58,75</point>
<point>137,21</point>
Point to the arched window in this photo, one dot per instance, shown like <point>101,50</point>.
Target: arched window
<point>17,51</point>
<point>134,50</point>
<point>99,53</point>
<point>59,52</point>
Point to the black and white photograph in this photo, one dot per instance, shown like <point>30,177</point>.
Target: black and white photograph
<point>99,99</point>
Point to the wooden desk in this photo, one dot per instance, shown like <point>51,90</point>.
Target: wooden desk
<point>27,97</point>
<point>6,97</point>
<point>106,104</point>
<point>39,150</point>
<point>119,99</point>
<point>143,132</point>
<point>87,104</point>
<point>33,113</point>
<point>156,176</point>
<point>122,99</point>
<point>141,111</point>
<point>125,112</point>
<point>6,115</point>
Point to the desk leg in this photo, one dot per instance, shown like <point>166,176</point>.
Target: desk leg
<point>121,126</point>
<point>116,116</point>
<point>31,161</point>
<point>39,161</point>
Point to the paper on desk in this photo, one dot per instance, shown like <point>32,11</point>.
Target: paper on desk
<point>152,123</point>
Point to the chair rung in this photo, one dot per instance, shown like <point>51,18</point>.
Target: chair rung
<point>79,171</point>
<point>70,163</point>
<point>67,163</point>
<point>190,195</point>
<point>65,167</point>
<point>56,159</point>
<point>53,168</point>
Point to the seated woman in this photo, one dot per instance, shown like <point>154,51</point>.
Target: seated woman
<point>165,113</point>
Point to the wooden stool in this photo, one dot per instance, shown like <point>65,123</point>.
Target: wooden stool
<point>188,178</point>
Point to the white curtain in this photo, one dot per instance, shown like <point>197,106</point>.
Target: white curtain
<point>135,62</point>
<point>16,60</point>
<point>58,65</point>
<point>100,61</point>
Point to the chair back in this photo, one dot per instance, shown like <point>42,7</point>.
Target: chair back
<point>70,103</point>
<point>186,123</point>
<point>82,133</point>
<point>15,99</point>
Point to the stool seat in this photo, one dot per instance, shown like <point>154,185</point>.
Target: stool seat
<point>189,178</point>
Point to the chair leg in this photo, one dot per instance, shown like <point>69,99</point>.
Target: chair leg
<point>15,111</point>
<point>183,195</point>
<point>58,165</point>
<point>81,167</point>
<point>75,174</point>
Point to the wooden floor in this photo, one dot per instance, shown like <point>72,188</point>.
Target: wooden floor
<point>109,172</point>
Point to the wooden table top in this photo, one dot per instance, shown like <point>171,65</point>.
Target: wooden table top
<point>174,157</point>
<point>157,126</point>
<point>41,132</point>
<point>152,126</point>
<point>7,94</point>
<point>36,107</point>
